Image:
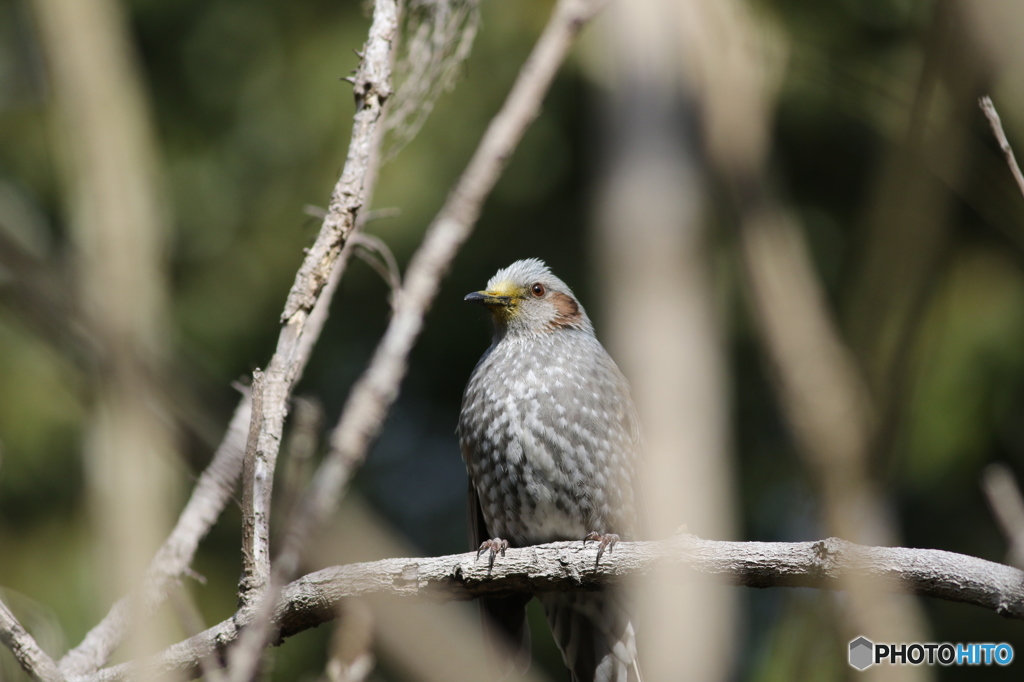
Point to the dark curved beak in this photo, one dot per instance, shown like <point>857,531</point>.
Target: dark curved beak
<point>486,299</point>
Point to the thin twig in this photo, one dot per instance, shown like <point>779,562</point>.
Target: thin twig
<point>438,37</point>
<point>382,213</point>
<point>997,129</point>
<point>376,253</point>
<point>1008,507</point>
<point>29,655</point>
<point>818,384</point>
<point>568,566</point>
<point>376,390</point>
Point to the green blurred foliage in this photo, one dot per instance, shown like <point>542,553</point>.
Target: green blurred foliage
<point>253,123</point>
<point>971,366</point>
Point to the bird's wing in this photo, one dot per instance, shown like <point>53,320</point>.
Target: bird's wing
<point>630,424</point>
<point>477,525</point>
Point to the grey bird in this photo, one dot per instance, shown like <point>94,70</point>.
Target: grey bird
<point>550,439</point>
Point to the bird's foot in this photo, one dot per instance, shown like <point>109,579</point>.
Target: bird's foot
<point>605,540</point>
<point>494,545</point>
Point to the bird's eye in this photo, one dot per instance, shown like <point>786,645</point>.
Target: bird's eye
<point>537,289</point>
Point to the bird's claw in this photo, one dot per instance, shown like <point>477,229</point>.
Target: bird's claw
<point>494,546</point>
<point>604,540</point>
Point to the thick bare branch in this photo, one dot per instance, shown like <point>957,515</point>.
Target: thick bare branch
<point>372,88</point>
<point>255,526</point>
<point>29,655</point>
<point>569,566</point>
<point>376,390</point>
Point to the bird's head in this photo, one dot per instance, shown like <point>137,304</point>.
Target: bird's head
<point>526,298</point>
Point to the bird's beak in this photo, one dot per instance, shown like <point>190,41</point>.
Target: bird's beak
<point>489,299</point>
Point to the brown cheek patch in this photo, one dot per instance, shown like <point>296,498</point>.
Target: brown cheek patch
<point>567,311</point>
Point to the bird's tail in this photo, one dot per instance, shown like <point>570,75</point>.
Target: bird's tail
<point>507,632</point>
<point>595,635</point>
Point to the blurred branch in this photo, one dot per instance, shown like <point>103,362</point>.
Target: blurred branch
<point>302,446</point>
<point>218,481</point>
<point>569,566</point>
<point>29,655</point>
<point>907,235</point>
<point>653,236</point>
<point>827,408</point>
<point>118,218</point>
<point>997,129</point>
<point>36,287</point>
<point>438,35</point>
<point>175,556</point>
<point>36,294</point>
<point>377,389</point>
<point>821,392</point>
<point>1008,506</point>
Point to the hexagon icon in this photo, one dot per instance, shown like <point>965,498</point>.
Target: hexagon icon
<point>862,653</point>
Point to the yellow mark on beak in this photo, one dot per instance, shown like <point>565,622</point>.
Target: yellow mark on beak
<point>502,299</point>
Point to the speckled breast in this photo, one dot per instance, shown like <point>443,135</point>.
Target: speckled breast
<point>548,438</point>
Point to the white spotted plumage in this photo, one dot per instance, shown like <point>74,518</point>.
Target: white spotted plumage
<point>549,436</point>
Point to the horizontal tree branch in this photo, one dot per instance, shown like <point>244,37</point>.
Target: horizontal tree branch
<point>569,566</point>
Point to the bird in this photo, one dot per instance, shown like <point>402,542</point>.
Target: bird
<point>551,442</point>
